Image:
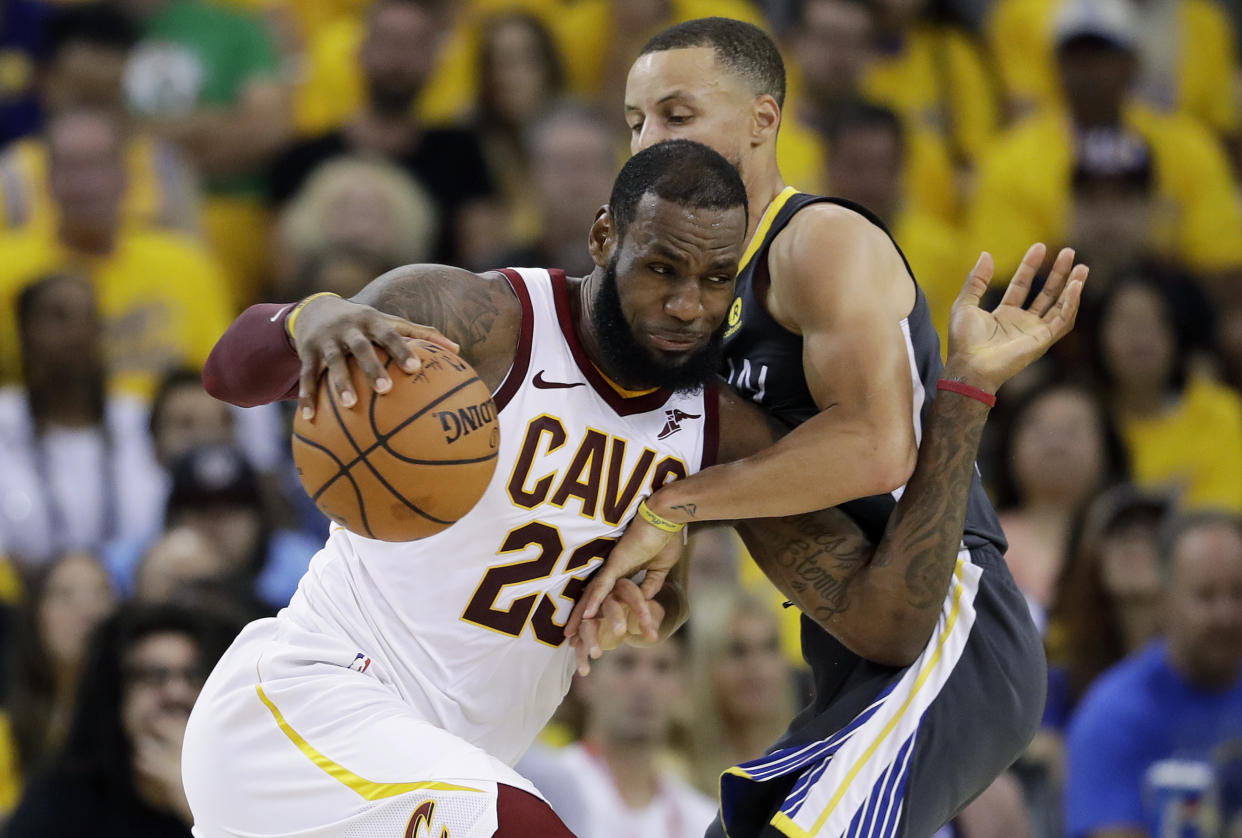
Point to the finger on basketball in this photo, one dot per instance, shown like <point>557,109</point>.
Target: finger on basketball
<point>397,345</point>
<point>1020,285</point>
<point>1050,294</point>
<point>363,350</point>
<point>308,385</point>
<point>977,280</point>
<point>338,376</point>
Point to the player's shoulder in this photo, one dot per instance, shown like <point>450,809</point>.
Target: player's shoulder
<point>827,224</point>
<point>828,252</point>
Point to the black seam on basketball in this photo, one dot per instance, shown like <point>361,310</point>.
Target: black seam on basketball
<point>417,462</point>
<point>341,468</point>
<point>353,484</point>
<point>362,456</point>
<point>381,439</point>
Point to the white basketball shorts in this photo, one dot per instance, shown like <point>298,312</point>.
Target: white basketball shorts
<point>287,740</point>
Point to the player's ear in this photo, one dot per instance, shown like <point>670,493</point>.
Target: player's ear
<point>765,119</point>
<point>602,241</point>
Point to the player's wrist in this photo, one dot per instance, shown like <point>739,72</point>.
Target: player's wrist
<point>666,505</point>
<point>295,313</point>
<point>969,376</point>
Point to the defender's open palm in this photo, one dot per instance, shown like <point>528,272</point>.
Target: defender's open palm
<point>988,348</point>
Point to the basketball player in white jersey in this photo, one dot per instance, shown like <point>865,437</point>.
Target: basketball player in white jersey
<point>398,687</point>
<point>394,693</point>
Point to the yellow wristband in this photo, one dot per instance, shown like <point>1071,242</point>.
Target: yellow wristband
<point>297,309</point>
<point>657,521</point>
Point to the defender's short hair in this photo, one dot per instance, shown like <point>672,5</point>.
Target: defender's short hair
<point>682,171</point>
<point>742,47</point>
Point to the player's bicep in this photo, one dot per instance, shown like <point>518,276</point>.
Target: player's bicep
<point>481,314</point>
<point>859,371</point>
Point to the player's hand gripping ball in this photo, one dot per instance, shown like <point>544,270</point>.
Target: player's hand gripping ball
<point>406,464</point>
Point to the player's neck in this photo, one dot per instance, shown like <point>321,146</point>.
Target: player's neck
<point>763,180</point>
<point>632,766</point>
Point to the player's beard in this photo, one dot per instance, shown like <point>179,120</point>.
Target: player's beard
<point>626,358</point>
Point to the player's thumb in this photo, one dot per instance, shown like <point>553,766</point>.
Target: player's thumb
<point>653,582</point>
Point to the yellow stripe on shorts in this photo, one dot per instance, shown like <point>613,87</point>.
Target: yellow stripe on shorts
<point>366,789</point>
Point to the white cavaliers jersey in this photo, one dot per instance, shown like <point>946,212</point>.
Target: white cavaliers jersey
<point>467,625</point>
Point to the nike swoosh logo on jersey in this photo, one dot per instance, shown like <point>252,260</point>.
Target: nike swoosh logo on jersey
<point>543,384</point>
<point>278,314</point>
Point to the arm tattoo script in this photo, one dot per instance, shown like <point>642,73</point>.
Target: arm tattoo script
<point>925,530</point>
<point>811,558</point>
<point>826,566</point>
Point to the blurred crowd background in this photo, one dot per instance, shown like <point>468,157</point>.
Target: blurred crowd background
<point>164,163</point>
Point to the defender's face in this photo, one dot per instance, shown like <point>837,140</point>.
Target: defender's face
<point>675,270</point>
<point>686,94</point>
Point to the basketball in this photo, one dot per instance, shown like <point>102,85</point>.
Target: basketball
<point>405,464</point>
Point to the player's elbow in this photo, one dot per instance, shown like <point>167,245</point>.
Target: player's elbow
<point>895,455</point>
<point>897,641</point>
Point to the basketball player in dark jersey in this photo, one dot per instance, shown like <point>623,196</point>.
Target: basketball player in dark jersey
<point>928,673</point>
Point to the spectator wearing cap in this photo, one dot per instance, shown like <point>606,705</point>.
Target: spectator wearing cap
<point>83,64</point>
<point>1146,744</point>
<point>1187,51</point>
<point>77,467</point>
<point>119,775</point>
<point>1025,182</point>
<point>216,492</point>
<point>1116,211</point>
<point>162,299</point>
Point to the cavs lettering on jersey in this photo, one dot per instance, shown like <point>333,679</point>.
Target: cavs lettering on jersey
<point>467,625</point>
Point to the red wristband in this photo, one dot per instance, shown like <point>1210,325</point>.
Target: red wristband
<point>967,391</point>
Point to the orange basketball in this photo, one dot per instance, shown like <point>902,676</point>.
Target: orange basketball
<point>405,464</point>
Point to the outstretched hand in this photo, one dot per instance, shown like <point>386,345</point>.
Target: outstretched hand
<point>986,349</point>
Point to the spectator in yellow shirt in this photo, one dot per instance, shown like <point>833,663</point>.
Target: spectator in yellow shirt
<point>1025,182</point>
<point>87,50</point>
<point>831,45</point>
<point>162,299</point>
<point>1187,49</point>
<point>1183,433</point>
<point>865,166</point>
<point>933,74</point>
